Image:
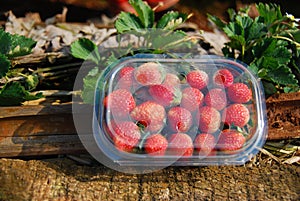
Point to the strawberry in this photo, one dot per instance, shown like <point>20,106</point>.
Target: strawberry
<point>204,144</point>
<point>236,114</point>
<point>223,78</point>
<point>171,80</point>
<point>216,98</point>
<point>165,95</point>
<point>125,135</point>
<point>179,119</point>
<point>156,145</point>
<point>120,103</point>
<point>149,73</point>
<point>151,115</point>
<point>209,119</point>
<point>180,144</point>
<point>125,78</point>
<point>239,93</point>
<point>197,79</point>
<point>230,140</point>
<point>192,99</point>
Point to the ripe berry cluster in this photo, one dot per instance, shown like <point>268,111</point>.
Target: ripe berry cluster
<point>156,111</point>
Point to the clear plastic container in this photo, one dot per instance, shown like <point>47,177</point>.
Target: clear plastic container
<point>163,111</point>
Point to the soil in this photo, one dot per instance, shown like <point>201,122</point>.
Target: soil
<point>64,179</point>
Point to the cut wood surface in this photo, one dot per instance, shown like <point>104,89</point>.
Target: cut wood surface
<point>63,179</point>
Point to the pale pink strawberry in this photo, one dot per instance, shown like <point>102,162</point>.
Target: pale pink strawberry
<point>236,115</point>
<point>239,93</point>
<point>151,115</point>
<point>179,119</point>
<point>165,95</point>
<point>209,119</point>
<point>216,98</point>
<point>149,74</point>
<point>125,135</point>
<point>171,80</point>
<point>197,79</point>
<point>204,144</point>
<point>180,144</point>
<point>119,103</point>
<point>223,78</point>
<point>125,78</point>
<point>156,145</point>
<point>230,140</point>
<point>192,99</point>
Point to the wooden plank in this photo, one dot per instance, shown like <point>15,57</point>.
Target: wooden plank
<point>40,145</point>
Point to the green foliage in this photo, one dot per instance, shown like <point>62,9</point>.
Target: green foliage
<point>15,92</point>
<point>269,44</point>
<point>156,37</point>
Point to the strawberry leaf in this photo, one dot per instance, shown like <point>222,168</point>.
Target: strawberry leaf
<point>85,49</point>
<point>171,20</point>
<point>144,12</point>
<point>20,46</point>
<point>127,22</point>
<point>4,65</point>
<point>5,42</point>
<point>13,93</point>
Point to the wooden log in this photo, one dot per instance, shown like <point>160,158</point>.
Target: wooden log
<point>35,130</point>
<point>283,111</point>
<point>32,130</point>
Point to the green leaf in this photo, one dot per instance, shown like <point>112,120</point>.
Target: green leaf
<point>283,76</point>
<point>5,42</point>
<point>4,65</point>
<point>85,49</point>
<point>272,53</point>
<point>217,21</point>
<point>20,46</point>
<point>269,88</point>
<point>144,12</point>
<point>89,86</point>
<point>171,20</point>
<point>31,82</point>
<point>13,93</point>
<point>127,22</point>
<point>269,13</point>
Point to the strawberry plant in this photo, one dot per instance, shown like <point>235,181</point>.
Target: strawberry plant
<point>15,86</point>
<point>155,37</point>
<point>269,44</point>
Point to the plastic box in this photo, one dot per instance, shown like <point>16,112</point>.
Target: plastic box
<point>247,134</point>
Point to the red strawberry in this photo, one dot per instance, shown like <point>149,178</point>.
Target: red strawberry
<point>239,93</point>
<point>171,80</point>
<point>223,78</point>
<point>204,143</point>
<point>236,114</point>
<point>125,135</point>
<point>152,115</point>
<point>156,145</point>
<point>216,98</point>
<point>197,79</point>
<point>209,119</point>
<point>192,99</point>
<point>125,78</point>
<point>165,95</point>
<point>181,144</point>
<point>120,103</point>
<point>230,140</point>
<point>179,119</point>
<point>149,73</point>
